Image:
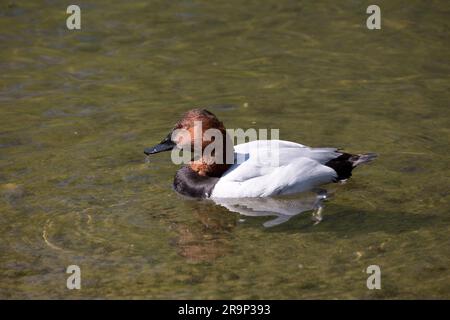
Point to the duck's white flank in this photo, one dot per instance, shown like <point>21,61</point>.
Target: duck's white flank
<point>295,168</point>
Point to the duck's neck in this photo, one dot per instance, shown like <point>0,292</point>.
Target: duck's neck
<point>216,164</point>
<point>205,168</point>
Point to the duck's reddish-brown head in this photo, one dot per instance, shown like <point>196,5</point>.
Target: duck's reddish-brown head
<point>196,131</point>
<point>191,128</point>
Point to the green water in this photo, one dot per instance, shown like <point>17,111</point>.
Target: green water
<point>78,107</point>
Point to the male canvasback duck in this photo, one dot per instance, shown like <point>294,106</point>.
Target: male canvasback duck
<point>298,168</point>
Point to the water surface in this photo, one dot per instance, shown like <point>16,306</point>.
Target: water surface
<point>78,107</point>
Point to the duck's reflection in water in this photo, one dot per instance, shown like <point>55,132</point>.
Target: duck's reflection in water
<point>281,208</point>
<point>209,235</point>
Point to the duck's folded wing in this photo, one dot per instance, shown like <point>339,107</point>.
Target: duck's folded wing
<point>284,151</point>
<point>299,175</point>
<point>261,157</point>
<point>257,144</point>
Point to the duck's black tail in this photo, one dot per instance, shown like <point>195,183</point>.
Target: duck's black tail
<point>346,162</point>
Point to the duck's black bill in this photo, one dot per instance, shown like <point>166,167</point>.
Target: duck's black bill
<point>165,145</point>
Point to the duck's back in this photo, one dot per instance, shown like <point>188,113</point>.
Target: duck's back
<point>272,167</point>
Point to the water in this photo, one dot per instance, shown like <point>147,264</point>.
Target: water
<point>78,107</point>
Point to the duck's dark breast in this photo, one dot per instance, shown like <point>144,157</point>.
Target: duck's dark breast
<point>191,184</point>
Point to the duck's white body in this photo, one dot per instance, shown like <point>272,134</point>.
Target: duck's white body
<point>275,167</point>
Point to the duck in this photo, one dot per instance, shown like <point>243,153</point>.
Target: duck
<point>246,170</point>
